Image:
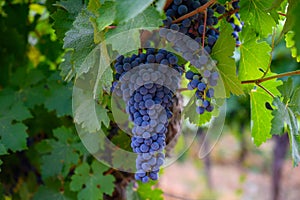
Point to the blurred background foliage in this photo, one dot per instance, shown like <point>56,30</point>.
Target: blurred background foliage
<point>43,149</point>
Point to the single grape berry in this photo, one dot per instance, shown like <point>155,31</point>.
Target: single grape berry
<point>182,9</point>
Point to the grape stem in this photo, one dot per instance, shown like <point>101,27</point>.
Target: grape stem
<point>260,80</point>
<point>229,13</point>
<point>110,171</point>
<point>111,27</point>
<point>182,89</point>
<point>232,1</point>
<point>194,12</point>
<point>282,14</point>
<point>167,4</point>
<point>266,90</point>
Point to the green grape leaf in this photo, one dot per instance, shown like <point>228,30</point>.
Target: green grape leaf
<point>66,67</point>
<point>290,43</point>
<point>223,1</point>
<point>122,140</point>
<point>63,155</point>
<point>261,117</point>
<point>291,29</point>
<point>296,28</point>
<point>291,98</point>
<point>89,114</point>
<point>90,183</point>
<point>93,6</point>
<point>145,191</point>
<point>93,141</point>
<point>254,55</point>
<point>129,41</point>
<point>33,86</point>
<point>1,162</point>
<point>129,9</point>
<point>3,150</point>
<point>35,95</point>
<point>53,190</point>
<point>291,18</point>
<point>191,114</point>
<point>255,14</point>
<point>12,132</point>
<point>223,52</point>
<point>13,136</point>
<point>286,90</point>
<point>276,4</point>
<point>30,78</point>
<point>59,97</point>
<point>288,117</point>
<point>277,123</point>
<point>81,39</point>
<point>107,14</point>
<point>294,104</point>
<point>65,15</point>
<point>159,5</point>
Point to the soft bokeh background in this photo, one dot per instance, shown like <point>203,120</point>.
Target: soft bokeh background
<point>235,168</point>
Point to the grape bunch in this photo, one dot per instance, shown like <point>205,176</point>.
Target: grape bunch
<point>236,22</point>
<point>203,92</point>
<point>146,82</point>
<point>195,26</point>
<point>188,37</point>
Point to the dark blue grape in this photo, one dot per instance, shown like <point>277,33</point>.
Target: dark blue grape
<point>205,103</point>
<point>174,27</point>
<point>120,58</point>
<point>196,4</point>
<point>151,58</point>
<point>200,110</point>
<point>186,23</point>
<point>194,83</point>
<point>126,67</point>
<point>220,9</point>
<point>210,12</point>
<point>207,49</point>
<point>235,5</point>
<point>153,176</point>
<point>163,32</point>
<point>155,146</point>
<point>182,9</point>
<point>173,60</point>
<point>210,108</point>
<point>171,36</point>
<point>177,2</point>
<point>159,57</point>
<point>201,86</point>
<point>145,179</point>
<point>201,29</point>
<point>126,60</point>
<point>210,93</point>
<point>189,75</point>
<point>210,21</point>
<point>164,62</point>
<point>170,13</point>
<point>211,40</point>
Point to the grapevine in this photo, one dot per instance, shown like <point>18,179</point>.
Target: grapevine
<point>97,97</point>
